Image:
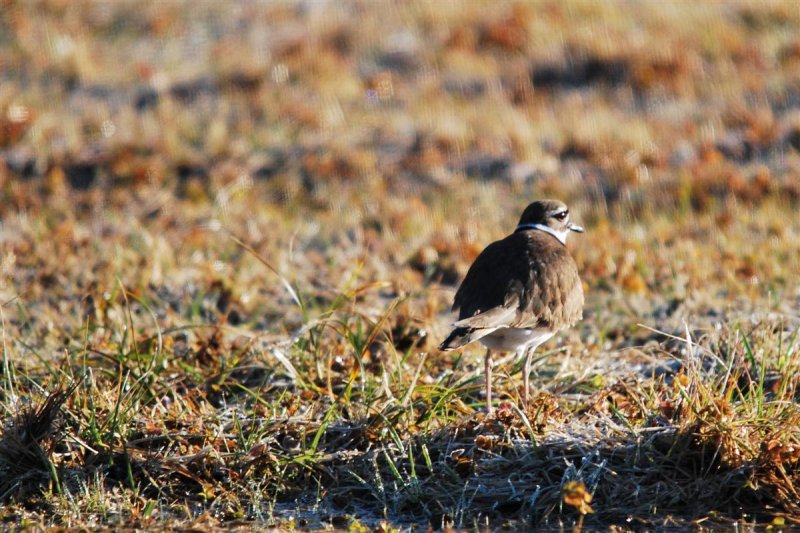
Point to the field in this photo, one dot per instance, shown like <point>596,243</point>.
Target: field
<point>230,235</point>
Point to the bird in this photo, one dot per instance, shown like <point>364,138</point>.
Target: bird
<point>520,290</point>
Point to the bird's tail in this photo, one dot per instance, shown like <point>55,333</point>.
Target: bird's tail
<point>458,338</point>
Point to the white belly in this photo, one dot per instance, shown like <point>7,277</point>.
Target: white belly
<point>516,339</point>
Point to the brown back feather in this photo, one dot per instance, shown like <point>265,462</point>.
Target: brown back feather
<point>529,271</point>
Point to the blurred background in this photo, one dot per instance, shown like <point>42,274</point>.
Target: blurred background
<point>356,142</point>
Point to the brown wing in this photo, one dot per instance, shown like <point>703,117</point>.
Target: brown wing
<point>494,281</point>
<point>527,279</point>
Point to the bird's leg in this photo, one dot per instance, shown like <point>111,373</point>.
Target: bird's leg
<point>488,371</point>
<point>526,378</point>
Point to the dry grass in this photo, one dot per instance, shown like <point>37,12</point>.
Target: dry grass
<point>229,237</point>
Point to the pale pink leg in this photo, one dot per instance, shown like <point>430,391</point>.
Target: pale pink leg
<point>488,371</point>
<point>526,379</point>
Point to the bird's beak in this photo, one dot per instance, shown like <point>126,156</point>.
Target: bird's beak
<point>574,227</point>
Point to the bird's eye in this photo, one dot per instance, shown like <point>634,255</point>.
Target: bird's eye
<point>561,215</point>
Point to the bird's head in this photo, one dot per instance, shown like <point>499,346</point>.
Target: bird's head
<point>551,216</point>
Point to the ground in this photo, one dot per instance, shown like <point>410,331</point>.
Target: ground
<point>230,234</point>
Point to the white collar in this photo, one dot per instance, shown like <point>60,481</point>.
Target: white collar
<point>560,235</point>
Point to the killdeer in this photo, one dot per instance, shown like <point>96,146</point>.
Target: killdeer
<point>520,290</point>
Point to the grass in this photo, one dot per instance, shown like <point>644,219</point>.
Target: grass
<point>230,237</point>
